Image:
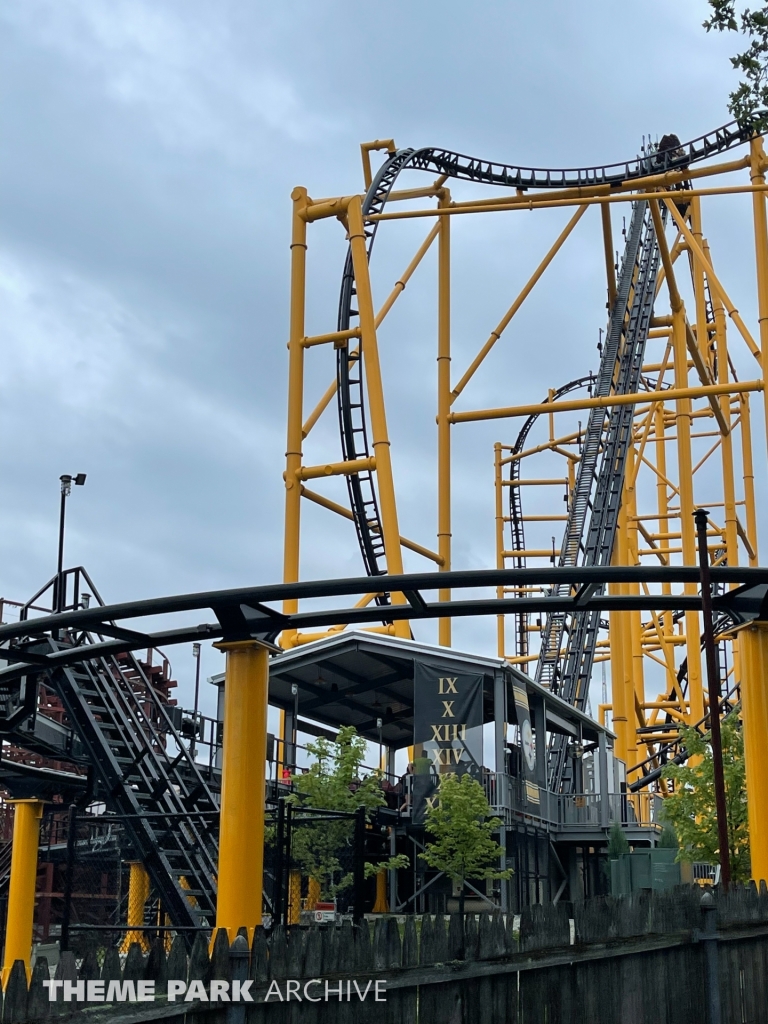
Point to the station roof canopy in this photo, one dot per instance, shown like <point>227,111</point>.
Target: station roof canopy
<point>355,678</point>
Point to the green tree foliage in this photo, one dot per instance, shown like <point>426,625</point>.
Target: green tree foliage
<point>749,101</point>
<point>690,810</point>
<point>668,838</point>
<point>617,842</point>
<point>335,782</point>
<point>463,845</point>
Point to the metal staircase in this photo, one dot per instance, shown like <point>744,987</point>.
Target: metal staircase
<point>168,810</point>
<point>117,708</point>
<point>597,494</point>
<point>5,866</point>
<point>610,372</point>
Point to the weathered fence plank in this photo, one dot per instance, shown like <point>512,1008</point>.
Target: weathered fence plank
<point>636,960</point>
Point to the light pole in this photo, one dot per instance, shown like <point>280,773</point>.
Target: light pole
<point>196,656</point>
<point>295,724</point>
<point>66,487</point>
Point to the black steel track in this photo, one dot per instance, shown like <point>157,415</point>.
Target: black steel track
<point>246,612</point>
<point>598,490</point>
<point>517,523</point>
<point>349,368</point>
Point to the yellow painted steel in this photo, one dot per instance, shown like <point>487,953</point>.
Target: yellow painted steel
<point>334,506</point>
<point>754,714</point>
<point>381,905</point>
<point>668,471</point>
<point>294,441</point>
<point>294,896</point>
<point>378,417</point>
<point>313,893</point>
<point>687,508</point>
<point>610,269</point>
<point>757,174</point>
<point>507,318</point>
<point>21,886</point>
<point>714,281</point>
<point>348,468</point>
<point>637,398</point>
<point>590,197</point>
<point>138,894</point>
<point>443,411</point>
<point>748,474</point>
<point>243,774</point>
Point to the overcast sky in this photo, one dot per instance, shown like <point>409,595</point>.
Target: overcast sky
<point>148,154</point>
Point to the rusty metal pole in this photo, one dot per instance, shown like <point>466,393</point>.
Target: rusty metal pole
<point>713,683</point>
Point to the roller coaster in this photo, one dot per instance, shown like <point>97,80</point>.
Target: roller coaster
<point>591,601</point>
<point>631,405</point>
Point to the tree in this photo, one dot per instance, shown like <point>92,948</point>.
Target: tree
<point>463,845</point>
<point>690,809</point>
<point>749,102</point>
<point>617,842</point>
<point>335,782</point>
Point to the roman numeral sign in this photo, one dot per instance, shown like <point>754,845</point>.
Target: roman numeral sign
<point>447,730</point>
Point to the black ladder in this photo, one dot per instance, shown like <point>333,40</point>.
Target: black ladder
<point>169,811</point>
<point>609,439</point>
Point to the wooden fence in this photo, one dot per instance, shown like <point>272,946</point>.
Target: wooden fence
<point>649,958</point>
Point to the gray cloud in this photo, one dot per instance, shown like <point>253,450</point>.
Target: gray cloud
<point>149,151</point>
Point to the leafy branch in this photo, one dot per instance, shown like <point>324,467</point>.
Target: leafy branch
<point>690,809</point>
<point>749,101</point>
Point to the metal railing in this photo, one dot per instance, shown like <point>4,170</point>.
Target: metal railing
<point>510,796</point>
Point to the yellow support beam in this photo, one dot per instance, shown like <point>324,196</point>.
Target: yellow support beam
<point>505,320</point>
<point>138,894</point>
<point>443,411</point>
<point>334,506</point>
<point>758,163</point>
<point>348,468</point>
<point>21,886</point>
<point>293,454</point>
<point>637,398</point>
<point>754,713</point>
<point>376,410</point>
<point>243,774</point>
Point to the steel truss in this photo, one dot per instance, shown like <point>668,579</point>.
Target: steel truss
<point>633,402</point>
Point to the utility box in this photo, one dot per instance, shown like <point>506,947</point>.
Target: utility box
<point>644,869</point>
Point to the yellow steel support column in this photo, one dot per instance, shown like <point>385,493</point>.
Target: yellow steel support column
<point>662,501</point>
<point>499,498</point>
<point>443,410</point>
<point>294,896</point>
<point>381,906</point>
<point>633,558</point>
<point>138,894</point>
<point>757,176</point>
<point>754,714</point>
<point>748,473</point>
<point>313,893</point>
<point>620,642</point>
<point>726,451</point>
<point>21,887</point>
<point>378,416</point>
<point>295,404</point>
<point>683,421</point>
<point>610,268</point>
<point>726,442</point>
<point>618,701</point>
<point>700,298</point>
<point>244,753</point>
<point>628,639</point>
